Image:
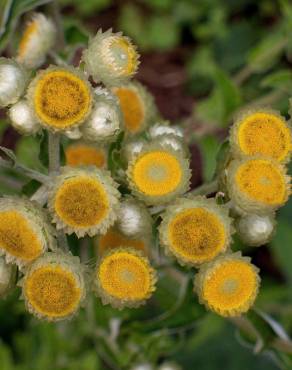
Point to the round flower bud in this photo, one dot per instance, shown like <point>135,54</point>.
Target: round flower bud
<point>142,366</point>
<point>134,218</point>
<point>38,38</point>
<point>83,201</point>
<point>54,286</point>
<point>257,185</point>
<point>175,142</point>
<point>13,80</point>
<point>114,239</point>
<point>7,277</point>
<point>158,174</point>
<point>137,106</point>
<point>61,98</point>
<point>124,278</point>
<point>105,121</point>
<point>85,154</point>
<point>255,230</point>
<point>25,231</point>
<point>195,230</point>
<point>228,285</point>
<point>111,58</point>
<point>260,131</point>
<point>161,129</point>
<point>22,118</point>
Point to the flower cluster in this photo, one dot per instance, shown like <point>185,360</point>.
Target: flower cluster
<point>128,172</point>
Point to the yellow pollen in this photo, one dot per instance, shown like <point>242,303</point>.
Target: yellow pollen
<point>17,237</point>
<point>84,155</point>
<point>52,291</point>
<point>197,235</point>
<point>114,239</point>
<point>132,107</point>
<point>266,134</point>
<point>61,99</point>
<point>81,202</point>
<point>124,54</point>
<point>157,173</point>
<point>230,287</point>
<point>28,33</point>
<point>125,276</point>
<point>262,181</point>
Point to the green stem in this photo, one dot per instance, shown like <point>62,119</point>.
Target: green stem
<point>40,177</point>
<point>54,153</point>
<point>205,189</point>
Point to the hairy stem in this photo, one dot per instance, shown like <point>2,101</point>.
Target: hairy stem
<point>54,153</point>
<point>205,189</point>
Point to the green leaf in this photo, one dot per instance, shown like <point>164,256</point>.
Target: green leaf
<point>10,12</point>
<point>281,79</point>
<point>267,52</point>
<point>163,33</point>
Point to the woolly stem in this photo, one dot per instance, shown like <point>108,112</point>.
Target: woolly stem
<point>54,153</point>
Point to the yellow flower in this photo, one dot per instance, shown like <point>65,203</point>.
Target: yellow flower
<point>257,185</point>
<point>195,230</point>
<point>137,105</point>
<point>53,287</point>
<point>84,154</point>
<point>158,174</point>
<point>61,97</point>
<point>38,38</point>
<point>111,58</point>
<point>228,285</point>
<point>124,278</point>
<point>25,232</point>
<point>113,239</point>
<point>261,132</point>
<point>83,201</point>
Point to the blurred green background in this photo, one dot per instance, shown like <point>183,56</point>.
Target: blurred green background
<point>202,60</point>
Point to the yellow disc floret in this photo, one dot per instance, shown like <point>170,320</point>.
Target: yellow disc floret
<point>195,230</point>
<point>228,285</point>
<point>84,201</point>
<point>261,132</point>
<point>82,154</point>
<point>113,239</point>
<point>157,174</point>
<point>258,184</point>
<point>61,98</point>
<point>124,278</point>
<point>137,106</point>
<point>25,233</point>
<point>53,287</point>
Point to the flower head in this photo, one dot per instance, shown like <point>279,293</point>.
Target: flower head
<point>111,58</point>
<point>54,286</point>
<point>25,232</point>
<point>38,38</point>
<point>134,218</point>
<point>85,154</point>
<point>257,185</point>
<point>22,118</point>
<point>105,121</point>
<point>228,285</point>
<point>13,78</point>
<point>124,278</point>
<point>158,173</point>
<point>261,132</point>
<point>61,98</point>
<point>195,230</point>
<point>114,239</point>
<point>84,201</point>
<point>256,230</point>
<point>137,105</point>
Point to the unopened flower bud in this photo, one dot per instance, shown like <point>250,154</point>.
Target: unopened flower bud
<point>12,81</point>
<point>23,119</point>
<point>255,230</point>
